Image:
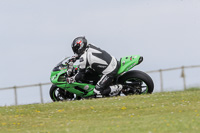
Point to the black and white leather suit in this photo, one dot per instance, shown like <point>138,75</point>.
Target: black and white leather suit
<point>102,63</point>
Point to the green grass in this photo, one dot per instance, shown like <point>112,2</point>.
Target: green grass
<point>170,112</point>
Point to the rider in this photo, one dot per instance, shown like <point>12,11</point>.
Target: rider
<point>100,61</point>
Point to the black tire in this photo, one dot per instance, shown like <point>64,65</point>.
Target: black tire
<point>58,94</point>
<point>138,76</point>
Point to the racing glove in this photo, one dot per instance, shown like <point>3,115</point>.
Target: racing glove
<point>70,68</point>
<point>71,63</point>
<point>73,58</point>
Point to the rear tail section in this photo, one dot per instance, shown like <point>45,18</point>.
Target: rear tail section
<point>129,62</point>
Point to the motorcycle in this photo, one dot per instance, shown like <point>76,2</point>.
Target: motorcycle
<point>136,82</point>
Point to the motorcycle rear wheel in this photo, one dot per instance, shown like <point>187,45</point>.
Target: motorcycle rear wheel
<point>137,80</point>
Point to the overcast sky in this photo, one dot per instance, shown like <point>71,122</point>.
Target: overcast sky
<point>36,34</point>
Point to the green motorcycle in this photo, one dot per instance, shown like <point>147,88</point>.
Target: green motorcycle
<point>137,82</point>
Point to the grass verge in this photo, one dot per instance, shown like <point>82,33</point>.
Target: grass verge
<point>159,112</point>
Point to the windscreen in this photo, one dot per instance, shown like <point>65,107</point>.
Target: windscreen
<point>61,64</point>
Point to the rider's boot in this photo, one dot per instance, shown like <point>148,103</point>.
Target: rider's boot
<point>97,94</point>
<point>115,90</point>
<point>110,91</point>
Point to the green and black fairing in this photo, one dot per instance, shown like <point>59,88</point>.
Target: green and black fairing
<point>85,89</point>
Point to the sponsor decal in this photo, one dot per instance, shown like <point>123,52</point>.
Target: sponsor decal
<point>54,77</point>
<point>132,66</point>
<point>86,87</point>
<point>104,79</point>
<point>81,59</point>
<point>101,66</point>
<point>123,63</point>
<point>131,58</point>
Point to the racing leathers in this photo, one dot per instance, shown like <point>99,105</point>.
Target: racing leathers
<point>103,64</point>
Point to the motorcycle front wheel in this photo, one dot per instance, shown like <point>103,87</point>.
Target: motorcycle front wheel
<point>58,94</point>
